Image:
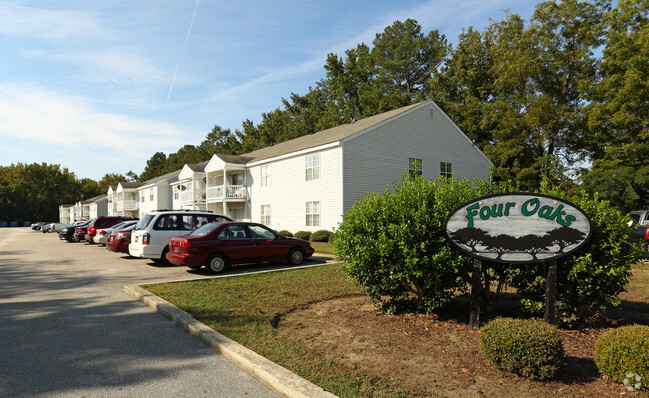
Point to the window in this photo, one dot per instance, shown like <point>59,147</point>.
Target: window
<point>259,232</point>
<point>142,196</point>
<point>312,214</point>
<point>167,222</point>
<point>234,232</point>
<point>445,169</point>
<point>415,166</point>
<point>313,167</point>
<point>265,214</point>
<point>265,176</point>
<point>151,194</point>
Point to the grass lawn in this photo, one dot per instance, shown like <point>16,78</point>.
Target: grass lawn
<point>248,308</point>
<point>313,322</point>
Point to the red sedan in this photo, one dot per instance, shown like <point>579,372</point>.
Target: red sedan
<point>219,245</point>
<point>119,239</point>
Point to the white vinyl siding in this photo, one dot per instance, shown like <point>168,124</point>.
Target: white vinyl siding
<point>375,157</point>
<point>290,192</point>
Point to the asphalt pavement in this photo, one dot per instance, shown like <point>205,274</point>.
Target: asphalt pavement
<point>68,329</point>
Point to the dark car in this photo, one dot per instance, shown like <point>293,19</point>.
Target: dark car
<point>80,231</point>
<point>219,245</point>
<point>67,233</point>
<point>100,223</point>
<point>119,240</point>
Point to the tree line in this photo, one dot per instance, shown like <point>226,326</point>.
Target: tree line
<point>559,97</point>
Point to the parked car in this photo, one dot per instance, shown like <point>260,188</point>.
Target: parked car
<point>54,227</point>
<point>80,232</point>
<point>219,245</point>
<point>150,238</point>
<point>100,223</point>
<point>67,233</point>
<point>38,225</point>
<point>102,235</point>
<point>640,224</point>
<point>119,240</point>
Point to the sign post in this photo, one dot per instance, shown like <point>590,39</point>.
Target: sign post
<point>476,286</point>
<point>550,292</point>
<point>517,228</point>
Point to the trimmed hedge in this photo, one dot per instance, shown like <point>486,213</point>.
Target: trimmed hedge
<point>285,233</point>
<point>306,235</point>
<point>526,347</point>
<point>624,351</point>
<point>321,236</point>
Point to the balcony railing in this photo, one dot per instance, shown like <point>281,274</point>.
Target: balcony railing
<point>127,205</point>
<point>192,196</point>
<point>226,193</point>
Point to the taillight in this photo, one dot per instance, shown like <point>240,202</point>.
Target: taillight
<point>646,233</point>
<point>79,230</point>
<point>102,232</point>
<point>184,243</point>
<point>145,238</point>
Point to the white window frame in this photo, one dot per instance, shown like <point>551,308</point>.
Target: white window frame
<point>265,175</point>
<point>445,169</point>
<point>265,215</point>
<point>312,167</point>
<point>415,166</point>
<point>151,194</point>
<point>312,213</point>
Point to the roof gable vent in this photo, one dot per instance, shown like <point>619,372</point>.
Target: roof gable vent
<point>431,113</point>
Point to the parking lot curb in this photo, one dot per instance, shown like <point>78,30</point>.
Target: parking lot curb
<point>278,378</point>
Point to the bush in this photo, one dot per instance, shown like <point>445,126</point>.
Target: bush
<point>306,235</point>
<point>623,351</point>
<point>590,280</point>
<point>332,237</point>
<point>529,348</point>
<point>393,243</point>
<point>321,236</point>
<point>285,233</point>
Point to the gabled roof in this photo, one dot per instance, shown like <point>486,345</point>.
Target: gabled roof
<point>126,184</point>
<point>324,137</point>
<point>171,176</point>
<point>198,168</point>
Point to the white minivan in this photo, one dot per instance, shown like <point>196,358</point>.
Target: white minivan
<point>150,238</point>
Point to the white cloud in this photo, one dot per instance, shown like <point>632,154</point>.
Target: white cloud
<point>31,116</point>
<point>18,20</point>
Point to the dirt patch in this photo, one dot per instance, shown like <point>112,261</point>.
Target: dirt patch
<point>434,357</point>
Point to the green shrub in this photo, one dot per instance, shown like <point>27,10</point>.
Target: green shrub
<point>590,280</point>
<point>321,236</point>
<point>623,351</point>
<point>393,243</point>
<point>285,233</point>
<point>331,237</point>
<point>529,348</point>
<point>306,235</point>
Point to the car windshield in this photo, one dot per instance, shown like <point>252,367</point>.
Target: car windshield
<point>205,229</point>
<point>144,222</point>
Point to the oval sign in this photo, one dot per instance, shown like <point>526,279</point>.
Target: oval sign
<point>518,228</point>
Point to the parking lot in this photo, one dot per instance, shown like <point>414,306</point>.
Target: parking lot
<point>68,329</point>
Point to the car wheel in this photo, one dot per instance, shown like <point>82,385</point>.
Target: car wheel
<point>296,256</point>
<point>49,230</point>
<point>216,263</point>
<point>163,259</point>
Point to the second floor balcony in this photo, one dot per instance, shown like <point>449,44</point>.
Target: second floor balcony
<point>226,193</point>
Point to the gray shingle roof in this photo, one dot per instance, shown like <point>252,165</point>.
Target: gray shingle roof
<point>323,137</point>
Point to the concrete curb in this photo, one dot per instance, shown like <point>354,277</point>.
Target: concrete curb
<point>278,378</point>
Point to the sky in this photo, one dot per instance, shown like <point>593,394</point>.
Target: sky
<point>98,87</point>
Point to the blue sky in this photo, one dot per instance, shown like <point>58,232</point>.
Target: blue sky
<point>99,86</point>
